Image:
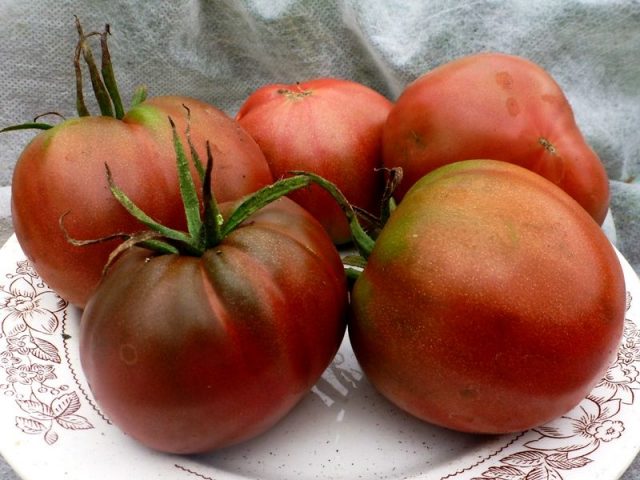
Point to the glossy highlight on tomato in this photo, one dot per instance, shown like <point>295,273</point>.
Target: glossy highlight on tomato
<point>491,301</point>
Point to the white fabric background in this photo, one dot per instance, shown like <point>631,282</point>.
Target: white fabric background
<point>220,51</point>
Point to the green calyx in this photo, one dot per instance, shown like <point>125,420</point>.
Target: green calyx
<point>103,82</point>
<point>364,243</point>
<point>206,227</point>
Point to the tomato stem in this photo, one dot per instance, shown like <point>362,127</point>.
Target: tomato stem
<point>212,217</point>
<point>81,105</point>
<point>140,215</point>
<point>148,239</point>
<point>99,89</point>
<point>27,126</point>
<point>195,158</point>
<point>35,124</point>
<point>387,202</point>
<point>261,198</point>
<point>363,242</point>
<point>108,75</point>
<point>103,81</point>
<point>139,96</point>
<point>352,273</point>
<point>188,192</point>
<point>356,261</point>
<point>208,229</point>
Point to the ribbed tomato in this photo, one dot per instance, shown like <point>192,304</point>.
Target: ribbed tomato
<point>190,353</point>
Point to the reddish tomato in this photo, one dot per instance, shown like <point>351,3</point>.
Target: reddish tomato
<point>494,106</point>
<point>491,301</point>
<point>62,171</point>
<point>187,354</point>
<point>328,126</point>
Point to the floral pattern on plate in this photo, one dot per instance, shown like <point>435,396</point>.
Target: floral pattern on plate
<point>567,442</point>
<point>31,319</point>
<point>38,374</point>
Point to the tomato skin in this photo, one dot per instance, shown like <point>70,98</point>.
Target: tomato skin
<point>190,354</point>
<point>328,126</point>
<point>62,171</point>
<point>498,106</point>
<point>239,166</point>
<point>491,302</point>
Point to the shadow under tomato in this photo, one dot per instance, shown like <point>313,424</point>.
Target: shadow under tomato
<point>343,429</point>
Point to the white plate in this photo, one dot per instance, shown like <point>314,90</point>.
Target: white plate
<point>50,426</point>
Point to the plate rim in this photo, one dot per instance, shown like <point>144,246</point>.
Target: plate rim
<point>45,352</point>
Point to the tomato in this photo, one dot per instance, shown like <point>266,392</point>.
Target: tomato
<point>62,172</point>
<point>328,126</point>
<point>491,301</point>
<point>187,353</point>
<point>497,106</point>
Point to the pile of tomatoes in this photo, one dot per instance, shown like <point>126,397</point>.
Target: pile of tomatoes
<point>486,297</point>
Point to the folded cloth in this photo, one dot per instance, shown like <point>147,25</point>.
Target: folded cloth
<point>6,472</point>
<point>221,51</point>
